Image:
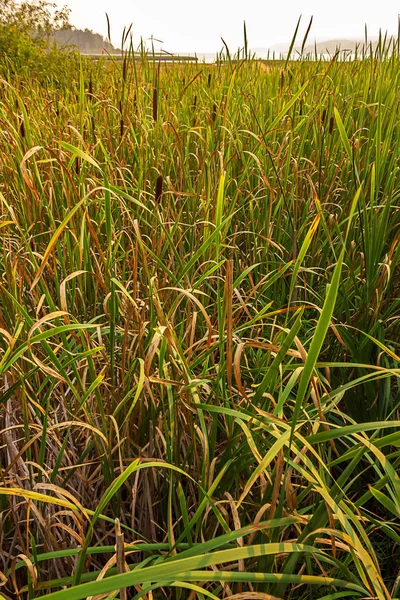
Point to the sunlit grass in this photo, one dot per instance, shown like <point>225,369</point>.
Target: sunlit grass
<point>199,330</point>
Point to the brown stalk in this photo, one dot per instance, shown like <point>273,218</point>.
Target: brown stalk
<point>155,104</point>
<point>120,552</point>
<point>229,320</point>
<point>159,190</point>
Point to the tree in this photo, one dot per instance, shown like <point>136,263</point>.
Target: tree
<point>38,18</point>
<point>25,32</point>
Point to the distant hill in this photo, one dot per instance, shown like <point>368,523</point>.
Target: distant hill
<point>322,47</point>
<point>85,40</point>
<point>276,49</point>
<point>332,46</point>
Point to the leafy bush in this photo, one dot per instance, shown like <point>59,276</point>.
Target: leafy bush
<point>25,37</point>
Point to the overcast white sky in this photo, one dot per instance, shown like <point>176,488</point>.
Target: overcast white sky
<point>185,25</point>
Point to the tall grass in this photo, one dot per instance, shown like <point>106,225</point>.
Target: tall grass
<point>199,330</point>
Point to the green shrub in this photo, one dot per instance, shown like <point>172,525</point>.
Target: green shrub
<point>26,44</point>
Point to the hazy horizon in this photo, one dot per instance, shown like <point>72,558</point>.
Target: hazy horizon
<point>267,24</point>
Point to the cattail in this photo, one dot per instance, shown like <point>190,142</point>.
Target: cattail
<point>121,122</point>
<point>209,80</point>
<point>22,127</point>
<point>155,104</point>
<point>214,112</point>
<point>159,189</point>
<point>331,124</point>
<point>124,69</point>
<point>323,118</point>
<point>195,101</point>
<point>91,85</point>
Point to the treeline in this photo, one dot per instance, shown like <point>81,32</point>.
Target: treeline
<point>37,40</point>
<point>83,39</point>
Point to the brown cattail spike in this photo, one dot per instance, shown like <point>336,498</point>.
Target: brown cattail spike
<point>22,127</point>
<point>155,104</point>
<point>159,189</point>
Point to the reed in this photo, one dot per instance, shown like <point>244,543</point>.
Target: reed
<point>199,329</point>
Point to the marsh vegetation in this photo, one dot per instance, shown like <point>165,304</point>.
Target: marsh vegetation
<point>199,330</point>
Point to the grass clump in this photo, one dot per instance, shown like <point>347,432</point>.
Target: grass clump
<point>199,317</point>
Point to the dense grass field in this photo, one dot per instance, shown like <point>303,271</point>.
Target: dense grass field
<point>200,331</point>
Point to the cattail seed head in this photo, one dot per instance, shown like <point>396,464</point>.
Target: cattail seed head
<point>124,69</point>
<point>159,189</point>
<point>155,104</point>
<point>22,127</point>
